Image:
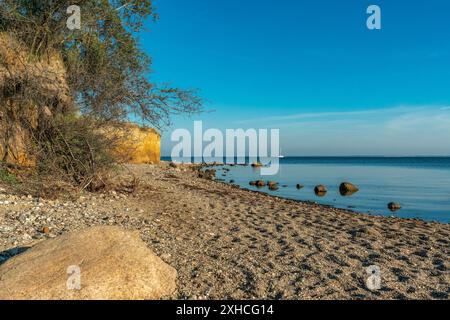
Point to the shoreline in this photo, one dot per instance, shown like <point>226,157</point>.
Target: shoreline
<point>329,206</point>
<point>227,242</point>
<point>416,193</point>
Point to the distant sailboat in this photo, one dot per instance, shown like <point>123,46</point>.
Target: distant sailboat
<point>280,156</point>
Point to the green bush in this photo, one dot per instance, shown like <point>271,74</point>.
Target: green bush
<point>7,177</point>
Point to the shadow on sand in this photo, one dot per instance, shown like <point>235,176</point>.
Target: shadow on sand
<point>8,254</point>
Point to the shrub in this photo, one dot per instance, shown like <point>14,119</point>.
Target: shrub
<point>7,177</point>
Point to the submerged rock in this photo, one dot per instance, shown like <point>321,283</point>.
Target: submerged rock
<point>260,183</point>
<point>96,263</point>
<point>393,206</point>
<point>256,164</point>
<point>320,190</point>
<point>347,189</point>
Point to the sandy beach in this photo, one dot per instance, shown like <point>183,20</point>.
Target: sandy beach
<point>230,243</point>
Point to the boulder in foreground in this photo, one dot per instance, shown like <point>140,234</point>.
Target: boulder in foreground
<point>113,264</point>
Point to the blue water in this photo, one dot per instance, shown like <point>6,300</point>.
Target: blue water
<point>420,184</point>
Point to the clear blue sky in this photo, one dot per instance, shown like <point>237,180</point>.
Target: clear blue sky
<point>313,70</point>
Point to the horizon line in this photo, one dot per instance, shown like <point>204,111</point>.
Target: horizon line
<point>351,156</point>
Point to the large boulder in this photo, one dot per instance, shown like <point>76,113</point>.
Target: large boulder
<point>112,264</point>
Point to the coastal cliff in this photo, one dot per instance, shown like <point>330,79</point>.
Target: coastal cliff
<point>139,145</point>
<point>46,80</point>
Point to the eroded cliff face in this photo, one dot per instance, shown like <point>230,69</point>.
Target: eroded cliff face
<point>140,145</point>
<point>13,148</point>
<point>21,77</point>
<point>46,78</point>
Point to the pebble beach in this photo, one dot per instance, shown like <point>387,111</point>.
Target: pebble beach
<point>230,243</point>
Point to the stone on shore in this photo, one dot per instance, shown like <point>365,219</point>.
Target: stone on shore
<point>113,264</point>
<point>208,174</point>
<point>347,189</point>
<point>173,165</point>
<point>45,230</point>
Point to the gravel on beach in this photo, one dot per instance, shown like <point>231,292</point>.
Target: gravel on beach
<point>230,243</point>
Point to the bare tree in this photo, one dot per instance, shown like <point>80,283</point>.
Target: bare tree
<point>67,88</point>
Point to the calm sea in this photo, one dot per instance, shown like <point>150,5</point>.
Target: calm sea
<point>420,184</point>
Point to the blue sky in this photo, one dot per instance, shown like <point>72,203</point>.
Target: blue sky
<point>313,70</point>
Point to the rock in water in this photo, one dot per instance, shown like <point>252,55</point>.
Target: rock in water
<point>347,189</point>
<point>112,264</point>
<point>320,190</point>
<point>393,206</point>
<point>260,183</point>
